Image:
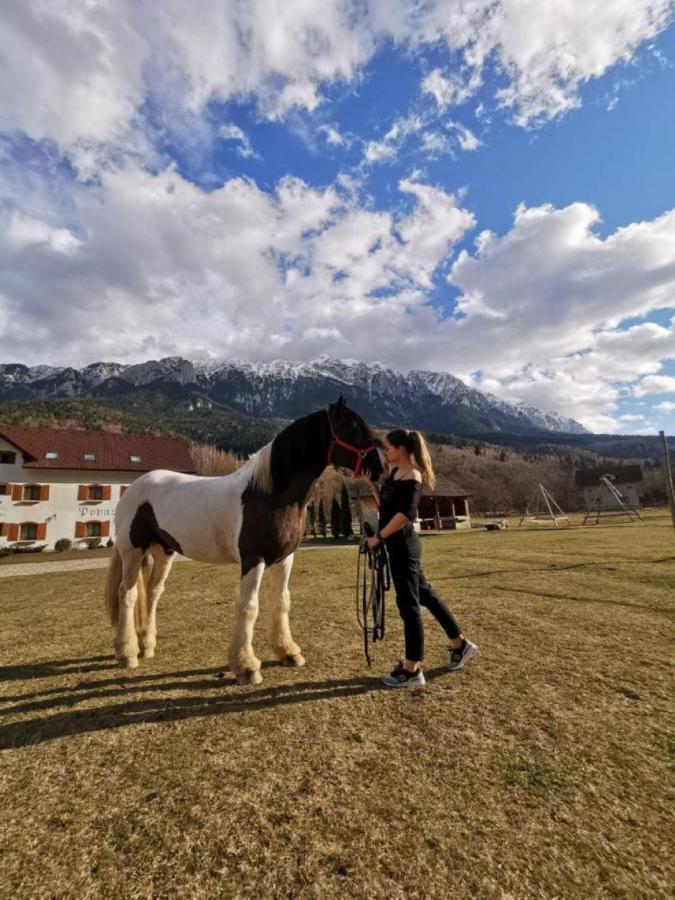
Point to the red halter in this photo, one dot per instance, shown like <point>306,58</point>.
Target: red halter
<point>360,453</point>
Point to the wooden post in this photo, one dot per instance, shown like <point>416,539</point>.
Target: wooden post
<point>668,475</point>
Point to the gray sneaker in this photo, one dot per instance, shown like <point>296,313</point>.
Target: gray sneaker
<point>461,656</point>
<point>400,677</point>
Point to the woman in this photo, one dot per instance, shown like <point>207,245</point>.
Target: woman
<point>406,452</point>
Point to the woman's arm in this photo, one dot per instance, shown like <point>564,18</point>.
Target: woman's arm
<point>397,521</point>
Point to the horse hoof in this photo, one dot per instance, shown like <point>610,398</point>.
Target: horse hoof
<point>128,662</point>
<point>293,662</point>
<point>249,677</point>
<point>147,653</point>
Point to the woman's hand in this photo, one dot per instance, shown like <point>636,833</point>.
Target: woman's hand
<point>372,542</point>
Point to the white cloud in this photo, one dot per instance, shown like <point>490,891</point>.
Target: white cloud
<point>419,131</point>
<point>452,89</point>
<point>24,232</point>
<point>164,267</point>
<point>152,265</point>
<point>466,139</point>
<point>79,73</point>
<point>332,135</point>
<point>655,384</point>
<point>666,406</point>
<point>232,132</point>
<point>549,296</point>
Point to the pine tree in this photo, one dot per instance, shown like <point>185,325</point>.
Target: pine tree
<point>345,513</point>
<point>311,519</point>
<point>335,518</point>
<point>321,520</point>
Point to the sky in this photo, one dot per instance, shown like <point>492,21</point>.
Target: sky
<point>483,187</point>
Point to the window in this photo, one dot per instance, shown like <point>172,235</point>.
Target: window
<point>29,531</point>
<point>7,457</point>
<point>51,454</point>
<point>95,492</point>
<point>31,492</point>
<point>93,529</point>
<point>135,457</point>
<point>89,457</point>
<point>5,489</point>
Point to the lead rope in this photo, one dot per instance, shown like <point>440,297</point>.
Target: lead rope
<point>371,591</point>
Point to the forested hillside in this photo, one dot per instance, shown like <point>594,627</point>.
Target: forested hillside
<point>497,476</point>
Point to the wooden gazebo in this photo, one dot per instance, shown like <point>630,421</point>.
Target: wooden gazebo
<point>444,507</point>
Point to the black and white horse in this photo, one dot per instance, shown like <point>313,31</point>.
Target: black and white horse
<point>254,516</point>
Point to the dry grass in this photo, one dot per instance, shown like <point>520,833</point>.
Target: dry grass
<point>539,771</point>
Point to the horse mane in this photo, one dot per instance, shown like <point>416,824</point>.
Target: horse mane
<point>293,450</point>
<point>261,469</point>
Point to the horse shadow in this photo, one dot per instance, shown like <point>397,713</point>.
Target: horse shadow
<point>154,706</point>
<point>52,667</point>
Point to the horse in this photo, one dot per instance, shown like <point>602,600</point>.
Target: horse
<point>254,516</point>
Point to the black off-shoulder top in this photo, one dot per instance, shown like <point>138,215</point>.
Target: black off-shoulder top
<point>402,496</point>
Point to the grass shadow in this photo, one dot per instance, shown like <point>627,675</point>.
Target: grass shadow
<point>52,667</point>
<point>160,708</point>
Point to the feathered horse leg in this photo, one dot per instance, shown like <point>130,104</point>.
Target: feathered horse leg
<point>147,620</point>
<point>243,662</point>
<point>283,646</point>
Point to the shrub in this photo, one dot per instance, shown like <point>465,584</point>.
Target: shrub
<point>63,544</point>
<point>5,551</point>
<point>93,543</point>
<point>110,543</point>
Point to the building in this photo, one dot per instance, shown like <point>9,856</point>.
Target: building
<point>62,483</point>
<point>444,507</point>
<point>599,496</point>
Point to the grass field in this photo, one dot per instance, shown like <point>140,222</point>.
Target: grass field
<point>541,770</point>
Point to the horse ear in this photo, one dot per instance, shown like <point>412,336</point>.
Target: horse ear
<point>341,403</point>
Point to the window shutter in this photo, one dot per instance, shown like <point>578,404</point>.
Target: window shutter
<point>44,492</point>
<point>17,492</point>
<point>41,531</point>
<point>105,529</point>
<point>80,529</point>
<point>2,529</point>
<point>83,492</point>
<point>106,492</point>
<point>12,531</point>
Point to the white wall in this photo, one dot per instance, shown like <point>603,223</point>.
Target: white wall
<point>62,510</point>
<point>600,496</point>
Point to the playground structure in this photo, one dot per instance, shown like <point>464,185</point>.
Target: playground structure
<point>623,505</point>
<point>611,492</point>
<point>544,499</point>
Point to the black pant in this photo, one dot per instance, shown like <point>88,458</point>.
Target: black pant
<point>414,591</point>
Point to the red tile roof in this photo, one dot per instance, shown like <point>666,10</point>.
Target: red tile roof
<point>112,452</point>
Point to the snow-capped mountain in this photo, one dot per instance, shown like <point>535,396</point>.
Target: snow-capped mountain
<point>435,401</point>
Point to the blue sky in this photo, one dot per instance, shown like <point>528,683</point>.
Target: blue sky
<point>486,191</point>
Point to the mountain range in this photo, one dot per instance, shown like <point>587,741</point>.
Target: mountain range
<point>281,389</point>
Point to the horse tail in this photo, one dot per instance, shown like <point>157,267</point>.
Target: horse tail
<point>112,587</point>
<point>112,590</point>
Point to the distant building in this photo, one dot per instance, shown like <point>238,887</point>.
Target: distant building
<point>626,480</point>
<point>444,507</point>
<point>62,483</point>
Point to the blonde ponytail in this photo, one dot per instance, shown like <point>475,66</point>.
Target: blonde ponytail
<point>421,454</point>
